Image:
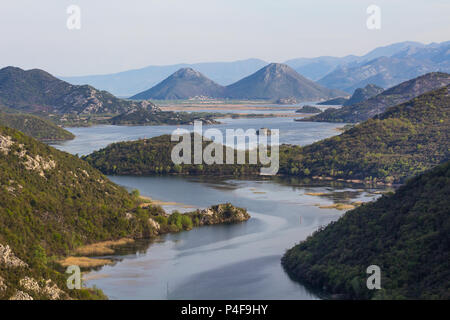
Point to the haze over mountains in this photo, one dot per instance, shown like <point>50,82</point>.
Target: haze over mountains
<point>274,81</point>
<point>387,71</point>
<point>384,66</point>
<point>131,82</point>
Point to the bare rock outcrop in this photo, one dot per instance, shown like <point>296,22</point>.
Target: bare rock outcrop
<point>8,258</point>
<point>222,213</point>
<point>20,295</point>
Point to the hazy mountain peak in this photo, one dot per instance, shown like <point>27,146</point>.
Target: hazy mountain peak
<point>188,72</point>
<point>185,83</point>
<point>278,81</point>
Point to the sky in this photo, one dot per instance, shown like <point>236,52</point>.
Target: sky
<point>119,35</point>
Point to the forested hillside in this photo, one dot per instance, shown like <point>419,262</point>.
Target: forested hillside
<point>406,234</point>
<point>52,202</point>
<point>405,140</point>
<point>35,127</point>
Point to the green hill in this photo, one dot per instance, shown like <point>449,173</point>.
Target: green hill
<point>405,140</point>
<point>35,127</point>
<point>153,156</point>
<point>406,234</point>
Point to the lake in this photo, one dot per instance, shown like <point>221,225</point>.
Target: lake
<point>93,138</point>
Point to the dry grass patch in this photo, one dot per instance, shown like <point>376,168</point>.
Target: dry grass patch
<point>316,193</point>
<point>84,262</point>
<point>147,202</point>
<point>102,248</point>
<point>339,206</point>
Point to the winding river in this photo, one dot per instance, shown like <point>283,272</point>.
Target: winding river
<point>240,261</point>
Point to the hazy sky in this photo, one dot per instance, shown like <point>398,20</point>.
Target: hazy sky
<point>117,35</point>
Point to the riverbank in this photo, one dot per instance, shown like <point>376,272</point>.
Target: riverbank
<point>89,256</point>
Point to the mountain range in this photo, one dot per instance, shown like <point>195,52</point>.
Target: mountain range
<point>272,82</point>
<point>405,60</point>
<point>400,93</point>
<point>387,71</point>
<point>128,83</point>
<point>184,84</point>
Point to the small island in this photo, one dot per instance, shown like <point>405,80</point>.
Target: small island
<point>308,109</point>
<point>264,132</point>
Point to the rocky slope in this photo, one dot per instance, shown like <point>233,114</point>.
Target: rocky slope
<point>52,203</point>
<point>38,91</point>
<point>362,94</point>
<point>388,98</point>
<point>405,234</point>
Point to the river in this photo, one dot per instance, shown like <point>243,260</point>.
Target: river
<point>240,261</point>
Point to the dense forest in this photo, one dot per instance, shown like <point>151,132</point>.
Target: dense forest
<point>406,234</point>
<point>35,127</point>
<point>403,141</point>
<point>153,156</point>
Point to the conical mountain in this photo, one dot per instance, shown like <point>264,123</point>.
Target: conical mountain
<point>186,83</point>
<point>276,81</point>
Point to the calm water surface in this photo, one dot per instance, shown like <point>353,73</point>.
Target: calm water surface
<point>292,132</point>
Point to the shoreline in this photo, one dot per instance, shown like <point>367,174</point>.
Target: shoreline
<point>89,256</point>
